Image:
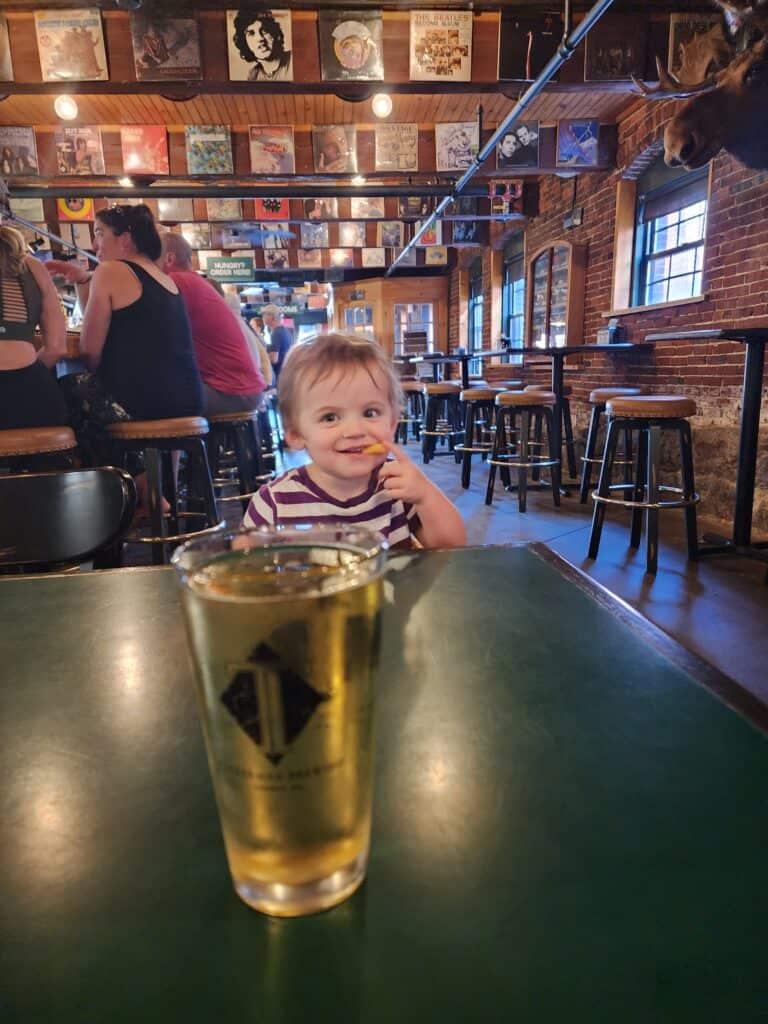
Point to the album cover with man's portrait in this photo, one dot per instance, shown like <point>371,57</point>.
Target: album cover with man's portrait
<point>322,209</point>
<point>335,148</point>
<point>615,49</point>
<point>351,47</point>
<point>259,45</point>
<point>519,147</point>
<point>165,49</point>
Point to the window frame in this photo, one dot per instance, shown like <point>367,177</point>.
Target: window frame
<point>508,305</point>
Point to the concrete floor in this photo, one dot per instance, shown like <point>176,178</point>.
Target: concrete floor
<point>716,607</point>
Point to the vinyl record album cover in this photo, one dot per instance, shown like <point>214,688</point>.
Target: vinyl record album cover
<point>173,211</point>
<point>527,43</point>
<point>577,143</point>
<point>351,45</point>
<point>412,207</point>
<point>74,208</point>
<point>209,149</point>
<point>397,147</point>
<point>309,259</point>
<point>29,209</point>
<point>341,257</point>
<point>410,259</point>
<point>367,207</point>
<point>374,257</point>
<point>272,209</point>
<point>314,236</point>
<point>78,149</point>
<point>272,149</point>
<point>71,45</point>
<point>615,49</point>
<point>335,148</point>
<point>441,46</point>
<point>456,145</point>
<point>436,256</point>
<point>198,235</point>
<point>145,148</point>
<point>259,45</point>
<point>165,49</point>
<point>321,209</point>
<point>276,259</point>
<point>224,209</point>
<point>519,147</point>
<point>389,233</point>
<point>276,235</point>
<point>351,234</point>
<point>432,236</point>
<point>18,151</point>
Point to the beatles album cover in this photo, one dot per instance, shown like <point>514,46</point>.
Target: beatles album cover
<point>441,46</point>
<point>74,208</point>
<point>209,149</point>
<point>351,234</point>
<point>310,259</point>
<point>173,211</point>
<point>78,149</point>
<point>527,44</point>
<point>321,209</point>
<point>367,207</point>
<point>374,257</point>
<point>335,148</point>
<point>6,65</point>
<point>70,45</point>
<point>18,151</point>
<point>145,148</point>
<point>351,45</point>
<point>272,149</point>
<point>272,209</point>
<point>456,145</point>
<point>314,236</point>
<point>397,147</point>
<point>165,49</point>
<point>224,209</point>
<point>259,45</point>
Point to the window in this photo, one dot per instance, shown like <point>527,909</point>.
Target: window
<point>475,313</point>
<point>414,327</point>
<point>513,298</point>
<point>359,319</point>
<point>670,236</point>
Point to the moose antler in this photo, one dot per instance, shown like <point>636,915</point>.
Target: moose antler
<point>670,86</point>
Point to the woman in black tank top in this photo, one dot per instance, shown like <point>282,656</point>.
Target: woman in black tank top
<point>135,337</point>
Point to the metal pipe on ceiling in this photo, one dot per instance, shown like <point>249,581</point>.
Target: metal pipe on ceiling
<point>567,46</point>
<point>299,190</point>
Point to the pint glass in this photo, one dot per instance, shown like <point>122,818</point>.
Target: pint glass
<point>284,630</point>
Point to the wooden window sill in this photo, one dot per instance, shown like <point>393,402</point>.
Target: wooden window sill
<point>657,305</point>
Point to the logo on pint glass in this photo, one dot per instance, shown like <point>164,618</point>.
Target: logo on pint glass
<point>270,702</point>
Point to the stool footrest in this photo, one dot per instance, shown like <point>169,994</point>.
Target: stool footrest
<point>173,538</point>
<point>623,503</point>
<point>537,463</point>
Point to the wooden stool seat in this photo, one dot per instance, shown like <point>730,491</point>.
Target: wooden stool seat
<point>480,394</point>
<point>509,385</point>
<point>442,387</point>
<point>477,383</point>
<point>567,389</point>
<point>411,387</point>
<point>525,398</point>
<point>244,416</point>
<point>181,426</point>
<point>602,395</point>
<point>36,441</point>
<point>651,407</point>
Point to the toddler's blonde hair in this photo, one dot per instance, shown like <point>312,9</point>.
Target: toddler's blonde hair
<point>318,358</point>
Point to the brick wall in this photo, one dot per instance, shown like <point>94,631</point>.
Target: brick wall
<point>736,287</point>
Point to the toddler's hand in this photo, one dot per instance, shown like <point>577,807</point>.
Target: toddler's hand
<point>401,478</point>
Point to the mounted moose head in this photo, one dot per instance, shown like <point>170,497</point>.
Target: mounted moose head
<point>729,108</point>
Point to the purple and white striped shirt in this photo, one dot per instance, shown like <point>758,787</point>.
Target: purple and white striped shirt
<point>293,497</point>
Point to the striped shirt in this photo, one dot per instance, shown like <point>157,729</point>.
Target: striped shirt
<point>294,497</point>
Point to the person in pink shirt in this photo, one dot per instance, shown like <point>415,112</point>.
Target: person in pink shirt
<point>231,380</point>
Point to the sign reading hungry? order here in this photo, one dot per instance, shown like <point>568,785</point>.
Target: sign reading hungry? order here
<point>230,268</point>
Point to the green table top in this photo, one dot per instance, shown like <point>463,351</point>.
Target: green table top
<point>567,826</point>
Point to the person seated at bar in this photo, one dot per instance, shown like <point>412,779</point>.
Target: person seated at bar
<point>135,338</point>
<point>29,396</point>
<point>280,338</point>
<point>231,380</point>
<point>340,400</point>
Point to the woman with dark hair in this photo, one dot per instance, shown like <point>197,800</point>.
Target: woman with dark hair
<point>135,337</point>
<point>260,41</point>
<point>28,393</point>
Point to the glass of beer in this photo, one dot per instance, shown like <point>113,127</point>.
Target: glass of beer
<point>284,628</point>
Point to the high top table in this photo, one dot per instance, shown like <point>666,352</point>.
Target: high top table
<point>568,825</point>
<point>754,339</point>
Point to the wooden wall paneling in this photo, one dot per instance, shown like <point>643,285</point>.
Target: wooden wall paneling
<point>485,46</point>
<point>117,39</point>
<point>23,41</point>
<point>623,243</point>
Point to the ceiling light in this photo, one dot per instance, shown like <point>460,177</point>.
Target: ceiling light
<point>381,104</point>
<point>125,182</point>
<point>358,180</point>
<point>65,108</point>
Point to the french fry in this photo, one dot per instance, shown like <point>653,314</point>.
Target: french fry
<point>375,449</point>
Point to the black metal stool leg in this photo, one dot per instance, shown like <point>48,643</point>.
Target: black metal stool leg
<point>496,451</point>
<point>603,489</point>
<point>586,466</point>
<point>153,463</point>
<point>555,457</point>
<point>689,489</point>
<point>538,434</point>
<point>469,440</point>
<point>641,470</point>
<point>524,450</point>
<point>570,448</point>
<point>170,490</point>
<point>652,520</point>
<point>628,463</point>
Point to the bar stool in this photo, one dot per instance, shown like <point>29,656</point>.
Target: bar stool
<point>479,423</point>
<point>567,426</point>
<point>157,439</point>
<point>413,411</point>
<point>241,431</point>
<point>597,400</point>
<point>525,404</point>
<point>37,447</point>
<point>442,417</point>
<point>648,414</point>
